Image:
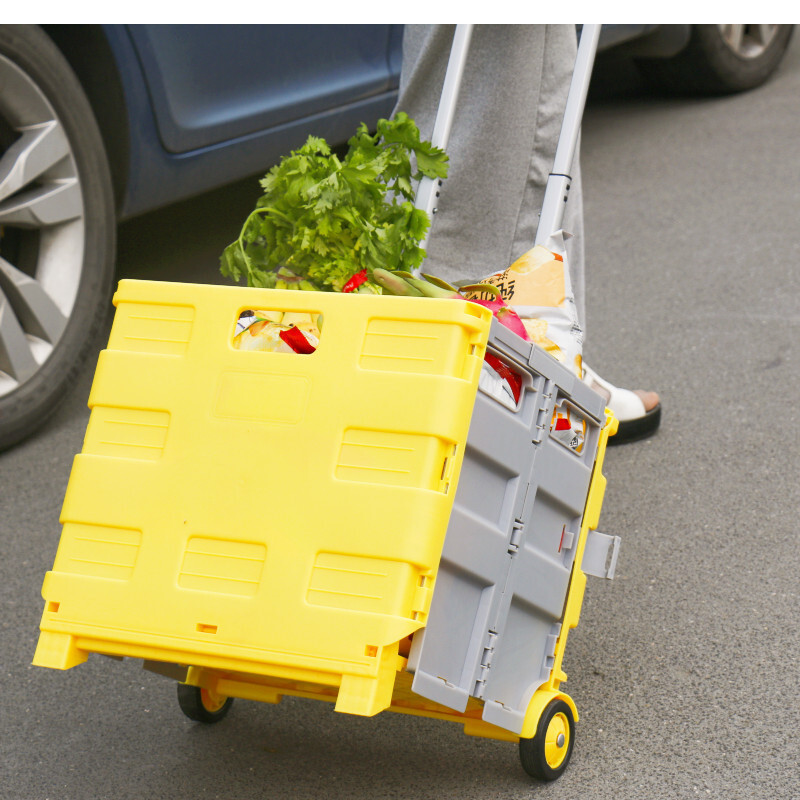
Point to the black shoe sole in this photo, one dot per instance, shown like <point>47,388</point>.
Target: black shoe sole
<point>640,428</point>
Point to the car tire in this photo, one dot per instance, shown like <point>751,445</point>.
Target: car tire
<point>57,230</point>
<point>720,59</point>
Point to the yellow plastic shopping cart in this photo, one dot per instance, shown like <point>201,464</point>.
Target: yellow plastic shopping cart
<point>366,523</point>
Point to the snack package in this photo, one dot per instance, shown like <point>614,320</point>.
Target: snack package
<point>538,288</point>
<point>277,331</point>
<point>568,428</point>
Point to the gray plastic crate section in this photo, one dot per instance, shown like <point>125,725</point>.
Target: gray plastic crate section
<point>503,578</point>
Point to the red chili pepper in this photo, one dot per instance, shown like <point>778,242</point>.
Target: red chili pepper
<point>355,281</point>
<point>504,371</point>
<point>295,339</point>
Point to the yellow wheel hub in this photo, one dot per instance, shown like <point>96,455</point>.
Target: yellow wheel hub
<point>211,700</point>
<point>556,741</point>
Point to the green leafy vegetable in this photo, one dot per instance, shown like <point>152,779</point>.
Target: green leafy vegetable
<point>323,219</point>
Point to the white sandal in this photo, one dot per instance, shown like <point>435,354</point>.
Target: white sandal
<point>638,412</point>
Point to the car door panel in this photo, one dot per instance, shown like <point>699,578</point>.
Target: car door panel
<point>214,83</point>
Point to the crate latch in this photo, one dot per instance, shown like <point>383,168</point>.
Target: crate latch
<point>600,555</point>
<point>567,540</point>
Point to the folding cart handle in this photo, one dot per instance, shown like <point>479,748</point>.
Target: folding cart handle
<point>556,190</point>
<point>559,180</point>
<point>428,189</point>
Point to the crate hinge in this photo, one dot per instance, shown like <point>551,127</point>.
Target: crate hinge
<point>544,413</point>
<point>517,530</point>
<point>550,648</point>
<point>486,664</point>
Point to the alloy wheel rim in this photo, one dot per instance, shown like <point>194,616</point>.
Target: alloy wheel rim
<point>748,41</point>
<point>42,228</point>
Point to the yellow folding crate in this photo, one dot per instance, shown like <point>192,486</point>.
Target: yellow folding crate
<point>266,513</point>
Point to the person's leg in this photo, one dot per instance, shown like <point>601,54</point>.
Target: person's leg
<point>502,145</point>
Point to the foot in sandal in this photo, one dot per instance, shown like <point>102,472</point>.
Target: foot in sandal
<point>638,412</point>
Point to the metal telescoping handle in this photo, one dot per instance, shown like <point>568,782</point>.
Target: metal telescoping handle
<point>559,180</point>
<point>428,189</point>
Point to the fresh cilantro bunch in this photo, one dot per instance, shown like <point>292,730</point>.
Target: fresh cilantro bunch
<point>323,219</point>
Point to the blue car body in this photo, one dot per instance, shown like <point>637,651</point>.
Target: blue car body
<point>186,108</point>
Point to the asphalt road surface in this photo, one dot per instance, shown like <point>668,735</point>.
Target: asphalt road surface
<point>685,668</point>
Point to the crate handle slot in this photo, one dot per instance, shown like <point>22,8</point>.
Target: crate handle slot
<point>277,331</point>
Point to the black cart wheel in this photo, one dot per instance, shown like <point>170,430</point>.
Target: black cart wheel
<point>202,705</point>
<point>547,754</point>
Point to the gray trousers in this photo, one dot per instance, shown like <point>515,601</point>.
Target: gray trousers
<point>502,144</point>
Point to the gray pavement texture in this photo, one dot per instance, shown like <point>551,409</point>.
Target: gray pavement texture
<point>685,668</point>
